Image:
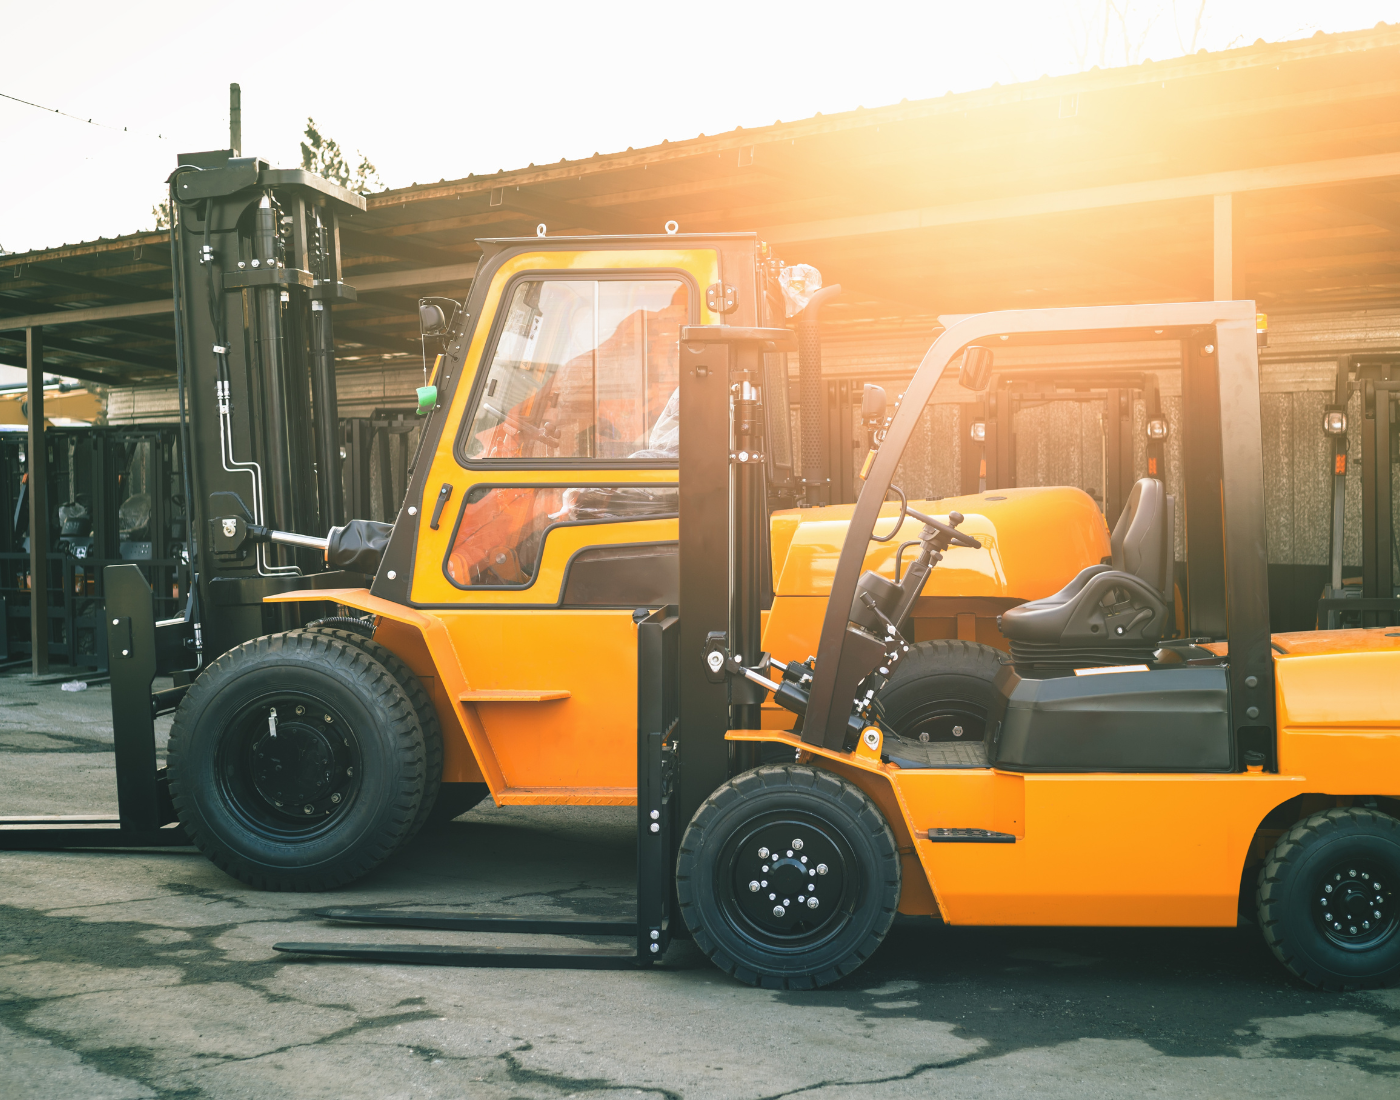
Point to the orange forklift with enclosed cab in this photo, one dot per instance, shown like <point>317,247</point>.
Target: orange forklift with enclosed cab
<point>597,426</point>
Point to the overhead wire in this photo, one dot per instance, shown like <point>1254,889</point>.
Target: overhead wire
<point>79,118</point>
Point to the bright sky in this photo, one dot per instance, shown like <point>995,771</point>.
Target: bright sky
<point>436,91</point>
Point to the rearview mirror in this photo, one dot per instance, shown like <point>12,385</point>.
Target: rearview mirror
<point>431,319</point>
<point>873,403</point>
<point>976,368</point>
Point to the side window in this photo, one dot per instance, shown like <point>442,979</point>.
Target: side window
<point>584,369</point>
<point>502,528</point>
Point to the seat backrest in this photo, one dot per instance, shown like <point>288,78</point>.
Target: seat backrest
<point>1142,537</point>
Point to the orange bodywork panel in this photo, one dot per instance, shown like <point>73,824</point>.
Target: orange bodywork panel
<point>1034,542</point>
<point>573,742</point>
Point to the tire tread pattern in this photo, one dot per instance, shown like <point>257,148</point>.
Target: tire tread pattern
<point>809,780</point>
<point>1274,889</point>
<point>399,721</point>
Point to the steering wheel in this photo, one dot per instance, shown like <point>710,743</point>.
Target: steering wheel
<point>948,530</point>
<point>903,511</point>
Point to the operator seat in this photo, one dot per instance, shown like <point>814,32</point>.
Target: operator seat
<point>1108,614</point>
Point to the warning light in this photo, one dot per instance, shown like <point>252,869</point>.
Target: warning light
<point>979,431</point>
<point>1334,422</point>
<point>1340,467</point>
<point>1157,428</point>
<point>1151,467</point>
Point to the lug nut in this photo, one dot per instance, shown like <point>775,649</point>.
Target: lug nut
<point>335,797</point>
<point>306,809</point>
<point>1327,888</point>
<point>778,910</point>
<point>789,853</point>
<point>797,844</point>
<point>329,718</point>
<point>763,854</point>
<point>924,737</point>
<point>821,868</point>
<point>301,710</point>
<point>812,903</point>
<point>772,897</point>
<point>753,886</point>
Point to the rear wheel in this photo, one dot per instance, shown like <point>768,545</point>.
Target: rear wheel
<point>296,762</point>
<point>788,877</point>
<point>941,690</point>
<point>1328,900</point>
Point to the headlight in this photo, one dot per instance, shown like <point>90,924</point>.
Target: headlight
<point>1334,422</point>
<point>979,431</point>
<point>1157,428</point>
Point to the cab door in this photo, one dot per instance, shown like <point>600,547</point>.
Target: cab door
<point>559,527</point>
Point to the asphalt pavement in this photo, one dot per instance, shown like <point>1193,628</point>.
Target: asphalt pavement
<point>126,975</point>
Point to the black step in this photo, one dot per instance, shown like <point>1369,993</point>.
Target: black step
<point>970,836</point>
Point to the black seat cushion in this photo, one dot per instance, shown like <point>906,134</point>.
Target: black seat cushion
<point>1126,605</point>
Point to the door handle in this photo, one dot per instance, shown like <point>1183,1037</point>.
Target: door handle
<point>444,494</point>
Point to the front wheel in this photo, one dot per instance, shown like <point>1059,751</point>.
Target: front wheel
<point>296,762</point>
<point>1327,899</point>
<point>788,877</point>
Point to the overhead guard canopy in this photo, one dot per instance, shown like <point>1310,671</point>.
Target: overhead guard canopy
<point>1228,329</point>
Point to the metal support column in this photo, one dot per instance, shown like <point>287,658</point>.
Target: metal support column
<point>38,474</point>
<point>1224,248</point>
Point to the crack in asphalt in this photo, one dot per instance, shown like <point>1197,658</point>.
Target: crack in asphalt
<point>523,1075</point>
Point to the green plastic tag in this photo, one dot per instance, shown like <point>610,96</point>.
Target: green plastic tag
<point>427,399</point>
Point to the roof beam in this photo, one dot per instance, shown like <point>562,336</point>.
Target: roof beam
<point>422,276</point>
<point>570,214</point>
<point>373,244</point>
<point>104,351</point>
<point>64,370</point>
<point>111,288</point>
<point>1308,174</point>
<point>87,316</point>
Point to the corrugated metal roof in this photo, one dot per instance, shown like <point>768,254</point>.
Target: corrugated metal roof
<point>1074,189</point>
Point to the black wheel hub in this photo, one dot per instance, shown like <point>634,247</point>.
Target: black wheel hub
<point>948,720</point>
<point>289,765</point>
<point>1354,905</point>
<point>788,881</point>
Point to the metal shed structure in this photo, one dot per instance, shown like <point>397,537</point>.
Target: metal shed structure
<point>1270,172</point>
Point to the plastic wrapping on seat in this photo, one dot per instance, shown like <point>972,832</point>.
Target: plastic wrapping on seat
<point>358,546</point>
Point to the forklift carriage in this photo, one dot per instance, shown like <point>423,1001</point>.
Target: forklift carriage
<point>573,603</point>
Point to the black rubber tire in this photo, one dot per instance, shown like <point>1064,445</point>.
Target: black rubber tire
<point>245,837</point>
<point>732,815</point>
<point>939,686</point>
<point>422,707</point>
<point>455,799</point>
<point>1291,885</point>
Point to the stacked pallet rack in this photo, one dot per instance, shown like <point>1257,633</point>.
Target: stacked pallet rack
<point>114,496</point>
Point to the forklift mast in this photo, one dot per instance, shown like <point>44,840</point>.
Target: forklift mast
<point>1375,376</point>
<point>256,270</point>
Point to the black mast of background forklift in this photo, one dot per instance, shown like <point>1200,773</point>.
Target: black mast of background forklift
<point>255,269</point>
<point>1375,376</point>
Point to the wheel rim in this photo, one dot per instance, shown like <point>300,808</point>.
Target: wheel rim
<point>773,870</point>
<point>1353,904</point>
<point>941,720</point>
<point>297,784</point>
